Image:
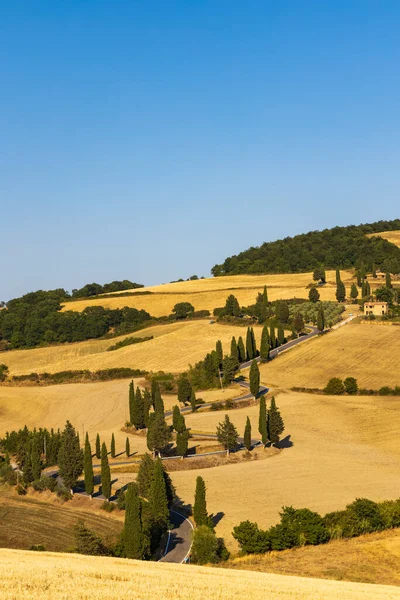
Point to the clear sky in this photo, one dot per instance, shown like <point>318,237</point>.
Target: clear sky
<point>150,139</point>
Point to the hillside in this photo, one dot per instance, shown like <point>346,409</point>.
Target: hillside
<point>341,247</point>
<point>48,576</point>
<point>391,236</point>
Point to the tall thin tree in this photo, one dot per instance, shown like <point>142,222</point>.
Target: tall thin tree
<point>105,473</point>
<point>88,467</point>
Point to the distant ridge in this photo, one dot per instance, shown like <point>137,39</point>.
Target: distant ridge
<point>339,247</point>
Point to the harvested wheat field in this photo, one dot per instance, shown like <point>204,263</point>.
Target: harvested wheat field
<point>25,520</point>
<point>370,354</point>
<point>49,576</point>
<point>336,457</point>
<point>372,558</point>
<point>390,236</point>
<point>173,348</point>
<point>207,294</point>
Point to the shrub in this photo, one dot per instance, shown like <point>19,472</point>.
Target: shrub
<point>251,539</point>
<point>350,385</point>
<point>385,391</point>
<point>389,511</point>
<point>21,490</point>
<point>88,542</point>
<point>298,527</point>
<point>216,406</point>
<point>334,387</point>
<point>229,404</point>
<point>361,516</point>
<point>38,548</point>
<point>45,483</point>
<point>108,506</point>
<point>206,547</point>
<point>63,494</point>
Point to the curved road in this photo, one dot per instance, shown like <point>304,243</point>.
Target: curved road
<point>179,539</point>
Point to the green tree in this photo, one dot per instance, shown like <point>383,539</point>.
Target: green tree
<point>158,496</point>
<point>227,434</point>
<point>70,457</point>
<point>283,311</point>
<point>218,350</point>
<point>145,476</point>
<point>158,434</point>
<point>388,281</point>
<point>138,416</point>
<point>98,447</point>
<point>262,420</point>
<point>193,401</point>
<point>183,310</point>
<point>184,389</point>
<point>254,378</point>
<point>127,448</point>
<point>232,307</point>
<point>36,462</point>
<point>87,541</point>
<point>156,398</point>
<point>264,348</point>
<point>313,295</point>
<point>321,318</point>
<point>249,344</point>
<point>146,406</point>
<point>334,387</point>
<point>105,473</point>
<point>374,271</point>
<point>229,368</point>
<point>298,323</point>
<point>281,334</point>
<point>131,402</point>
<point>350,385</point>
<point>200,514</point>
<point>338,279</point>
<point>234,350</point>
<point>275,425</point>
<point>112,448</point>
<point>353,291</point>
<point>176,418</point>
<point>205,546</point>
<point>133,535</point>
<point>272,337</point>
<point>340,292</point>
<point>247,434</point>
<point>182,442</point>
<point>241,350</point>
<point>88,467</point>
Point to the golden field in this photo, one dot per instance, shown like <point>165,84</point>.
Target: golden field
<point>370,354</point>
<point>207,294</point>
<point>51,576</point>
<point>372,558</point>
<point>390,236</point>
<point>43,519</point>
<point>173,348</point>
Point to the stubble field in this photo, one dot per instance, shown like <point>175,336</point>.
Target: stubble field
<point>48,576</point>
<point>390,236</point>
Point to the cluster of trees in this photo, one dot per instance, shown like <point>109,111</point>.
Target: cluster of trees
<point>270,422</point>
<point>342,247</point>
<point>93,289</point>
<point>337,387</point>
<point>36,319</point>
<point>301,527</point>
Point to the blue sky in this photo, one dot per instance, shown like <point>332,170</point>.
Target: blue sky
<point>150,140</point>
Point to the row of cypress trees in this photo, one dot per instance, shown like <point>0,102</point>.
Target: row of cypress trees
<point>270,422</point>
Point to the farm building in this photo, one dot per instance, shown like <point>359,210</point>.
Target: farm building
<point>376,308</point>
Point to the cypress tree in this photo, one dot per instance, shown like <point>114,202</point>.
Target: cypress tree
<point>98,447</point>
<point>131,402</point>
<point>272,337</point>
<point>275,425</point>
<point>70,457</point>
<point>241,350</point>
<point>176,417</point>
<point>112,448</point>
<point>229,368</point>
<point>374,271</point>
<point>264,348</point>
<point>281,334</point>
<point>234,349</point>
<point>354,291</point>
<point>249,345</point>
<point>254,378</point>
<point>133,535</point>
<point>227,434</point>
<point>158,401</point>
<point>298,322</point>
<point>193,400</point>
<point>145,476</point>
<point>247,434</point>
<point>88,467</point>
<point>340,292</point>
<point>232,307</point>
<point>158,434</point>
<point>138,410</point>
<point>200,513</point>
<point>359,279</point>
<point>218,350</point>
<point>184,390</point>
<point>36,463</point>
<point>158,496</point>
<point>105,473</point>
<point>367,288</point>
<point>388,281</point>
<point>182,442</point>
<point>27,465</point>
<point>321,318</point>
<point>313,295</point>
<point>127,448</point>
<point>338,279</point>
<point>146,406</point>
<point>262,420</point>
<point>253,342</point>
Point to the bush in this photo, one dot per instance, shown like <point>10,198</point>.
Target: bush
<point>108,506</point>
<point>45,483</point>
<point>334,387</point>
<point>390,513</point>
<point>63,494</point>
<point>206,547</point>
<point>350,385</point>
<point>251,539</point>
<point>38,548</point>
<point>216,406</point>
<point>88,542</point>
<point>298,527</point>
<point>385,391</point>
<point>229,404</point>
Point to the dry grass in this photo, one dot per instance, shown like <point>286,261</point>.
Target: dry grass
<point>173,348</point>
<point>211,293</point>
<point>42,519</point>
<point>48,576</point>
<point>370,354</point>
<point>371,558</point>
<point>390,236</point>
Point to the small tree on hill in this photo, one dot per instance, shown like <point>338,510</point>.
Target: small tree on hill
<point>200,513</point>
<point>313,295</point>
<point>340,292</point>
<point>158,433</point>
<point>127,448</point>
<point>227,434</point>
<point>182,442</point>
<point>131,402</point>
<point>112,447</point>
<point>262,420</point>
<point>249,345</point>
<point>220,355</point>
<point>241,350</point>
<point>232,307</point>
<point>234,350</point>
<point>247,435</point>
<point>275,425</point>
<point>272,337</point>
<point>388,281</point>
<point>105,473</point>
<point>183,310</point>
<point>36,463</point>
<point>350,385</point>
<point>138,416</point>
<point>193,401</point>
<point>281,334</point>
<point>264,347</point>
<point>353,291</point>
<point>158,496</point>
<point>229,368</point>
<point>334,387</point>
<point>87,541</point>
<point>98,447</point>
<point>205,547</point>
<point>88,467</point>
<point>254,378</point>
<point>145,476</point>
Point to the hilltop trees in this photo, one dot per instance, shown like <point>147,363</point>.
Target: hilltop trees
<point>88,467</point>
<point>70,457</point>
<point>105,473</point>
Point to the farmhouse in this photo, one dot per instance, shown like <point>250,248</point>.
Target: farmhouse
<point>376,308</point>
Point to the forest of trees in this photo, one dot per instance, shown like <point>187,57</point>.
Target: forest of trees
<point>93,289</point>
<point>340,247</point>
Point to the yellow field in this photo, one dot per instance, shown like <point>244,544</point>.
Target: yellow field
<point>50,576</point>
<point>370,558</point>
<point>25,520</point>
<point>173,348</point>
<point>344,448</point>
<point>390,236</point>
<point>212,293</point>
<point>370,354</point>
